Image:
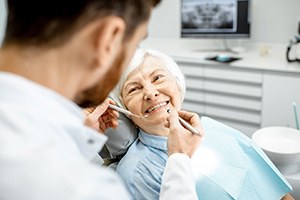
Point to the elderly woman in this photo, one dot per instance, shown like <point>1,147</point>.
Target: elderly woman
<point>226,166</point>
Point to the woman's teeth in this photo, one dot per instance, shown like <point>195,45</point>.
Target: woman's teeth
<point>156,106</point>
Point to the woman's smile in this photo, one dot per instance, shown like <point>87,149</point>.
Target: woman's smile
<point>156,107</point>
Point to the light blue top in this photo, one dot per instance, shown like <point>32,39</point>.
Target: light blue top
<point>143,165</point>
<point>228,165</point>
<point>45,150</point>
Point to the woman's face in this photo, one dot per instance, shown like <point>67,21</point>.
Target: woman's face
<point>151,90</point>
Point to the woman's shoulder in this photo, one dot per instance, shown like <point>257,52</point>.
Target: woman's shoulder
<point>141,158</point>
<point>141,169</point>
<point>135,154</point>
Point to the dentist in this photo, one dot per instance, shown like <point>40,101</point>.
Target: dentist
<point>58,57</point>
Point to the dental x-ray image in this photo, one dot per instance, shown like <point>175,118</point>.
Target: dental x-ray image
<point>209,15</point>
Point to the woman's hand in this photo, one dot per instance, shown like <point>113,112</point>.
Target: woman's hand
<point>101,117</point>
<point>180,139</point>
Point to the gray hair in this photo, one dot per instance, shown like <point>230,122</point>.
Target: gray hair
<point>137,60</point>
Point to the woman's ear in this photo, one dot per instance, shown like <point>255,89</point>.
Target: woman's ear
<point>109,40</point>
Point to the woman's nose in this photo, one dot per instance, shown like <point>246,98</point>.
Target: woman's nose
<point>150,93</point>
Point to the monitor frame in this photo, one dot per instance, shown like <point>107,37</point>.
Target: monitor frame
<point>243,24</point>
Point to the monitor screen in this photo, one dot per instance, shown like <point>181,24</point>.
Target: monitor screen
<point>215,18</point>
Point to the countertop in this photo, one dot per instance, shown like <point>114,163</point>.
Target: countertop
<point>270,57</point>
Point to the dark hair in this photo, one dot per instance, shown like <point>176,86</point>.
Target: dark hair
<point>53,22</point>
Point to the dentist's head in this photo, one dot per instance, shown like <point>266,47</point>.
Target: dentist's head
<point>78,48</point>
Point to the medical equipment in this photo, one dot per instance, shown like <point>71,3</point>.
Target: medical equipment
<point>187,125</point>
<point>294,48</point>
<point>296,115</point>
<point>126,112</point>
<point>282,145</point>
<point>182,121</point>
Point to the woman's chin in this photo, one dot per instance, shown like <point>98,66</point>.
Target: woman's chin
<point>159,119</point>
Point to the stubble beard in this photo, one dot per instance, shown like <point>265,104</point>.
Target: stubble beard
<point>98,93</point>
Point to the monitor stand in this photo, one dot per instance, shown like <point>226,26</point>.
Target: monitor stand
<point>225,49</point>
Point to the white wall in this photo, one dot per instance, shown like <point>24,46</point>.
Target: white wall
<point>2,18</point>
<point>273,21</point>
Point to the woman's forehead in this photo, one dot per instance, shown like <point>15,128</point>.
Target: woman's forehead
<point>150,65</point>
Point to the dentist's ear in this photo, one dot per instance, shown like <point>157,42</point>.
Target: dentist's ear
<point>109,40</point>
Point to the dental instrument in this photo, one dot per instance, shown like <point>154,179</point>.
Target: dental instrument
<point>182,121</point>
<point>187,125</point>
<point>296,115</point>
<point>126,112</point>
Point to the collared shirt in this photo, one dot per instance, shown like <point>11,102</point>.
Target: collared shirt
<point>45,150</point>
<point>226,166</point>
<point>143,165</point>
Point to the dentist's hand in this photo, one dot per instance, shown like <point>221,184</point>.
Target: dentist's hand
<point>101,117</point>
<point>181,140</point>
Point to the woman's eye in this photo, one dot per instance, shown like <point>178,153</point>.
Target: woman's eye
<point>157,77</point>
<point>131,90</point>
